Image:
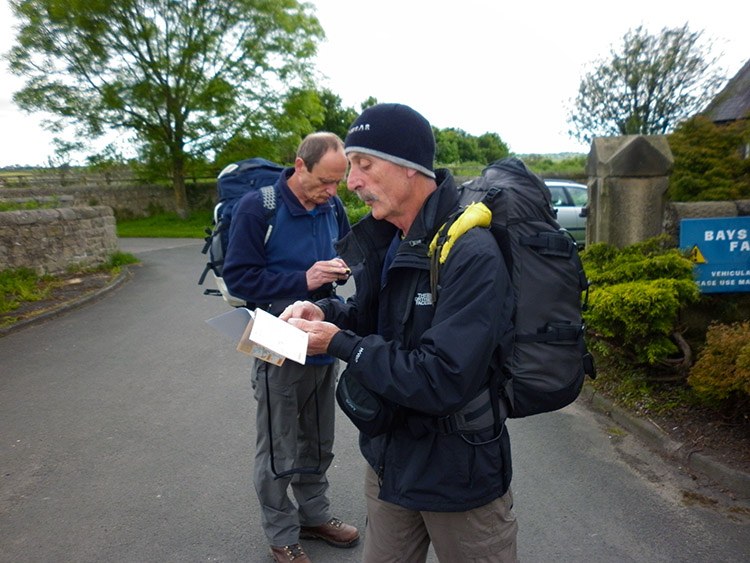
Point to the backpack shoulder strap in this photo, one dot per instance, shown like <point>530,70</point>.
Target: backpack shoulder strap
<point>269,197</point>
<point>475,215</point>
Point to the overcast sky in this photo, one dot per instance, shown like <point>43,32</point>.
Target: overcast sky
<point>510,68</point>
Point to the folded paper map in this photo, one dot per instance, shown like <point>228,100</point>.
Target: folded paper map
<point>260,334</point>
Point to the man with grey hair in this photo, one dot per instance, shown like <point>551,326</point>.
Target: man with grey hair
<point>428,479</point>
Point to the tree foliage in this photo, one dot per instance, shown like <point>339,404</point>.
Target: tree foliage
<point>182,76</point>
<point>337,118</point>
<point>569,165</point>
<point>709,161</point>
<point>647,87</point>
<point>456,145</point>
<point>304,111</point>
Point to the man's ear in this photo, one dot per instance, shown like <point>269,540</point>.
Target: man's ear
<point>299,165</point>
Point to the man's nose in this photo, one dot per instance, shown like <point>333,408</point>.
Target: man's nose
<point>351,181</point>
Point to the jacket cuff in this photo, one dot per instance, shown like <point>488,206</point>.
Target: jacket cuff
<point>325,306</point>
<point>343,343</point>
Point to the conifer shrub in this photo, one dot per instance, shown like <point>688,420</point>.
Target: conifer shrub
<point>635,298</point>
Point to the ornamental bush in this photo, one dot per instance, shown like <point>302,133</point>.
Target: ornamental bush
<point>635,298</point>
<point>721,374</point>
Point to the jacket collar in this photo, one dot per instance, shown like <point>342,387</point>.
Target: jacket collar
<point>438,206</point>
<point>371,236</point>
<point>290,200</point>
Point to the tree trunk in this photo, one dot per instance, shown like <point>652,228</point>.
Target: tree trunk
<point>178,183</point>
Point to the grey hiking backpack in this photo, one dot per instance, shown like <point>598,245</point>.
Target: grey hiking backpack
<point>546,365</point>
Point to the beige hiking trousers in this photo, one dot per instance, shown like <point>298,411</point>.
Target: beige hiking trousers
<point>394,534</point>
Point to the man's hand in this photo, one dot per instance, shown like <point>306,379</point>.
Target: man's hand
<point>302,310</point>
<point>307,316</point>
<point>326,271</point>
<point>319,334</point>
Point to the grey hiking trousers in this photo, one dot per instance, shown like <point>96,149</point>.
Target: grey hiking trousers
<point>300,435</point>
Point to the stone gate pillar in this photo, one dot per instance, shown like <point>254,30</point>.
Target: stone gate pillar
<point>628,178</point>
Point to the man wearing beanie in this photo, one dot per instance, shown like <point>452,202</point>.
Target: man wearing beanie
<point>426,481</point>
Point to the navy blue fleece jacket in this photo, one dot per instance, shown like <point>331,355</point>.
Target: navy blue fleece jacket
<point>274,272</point>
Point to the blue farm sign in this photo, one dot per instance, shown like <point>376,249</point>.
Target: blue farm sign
<point>720,248</point>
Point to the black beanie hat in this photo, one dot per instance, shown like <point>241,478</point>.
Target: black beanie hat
<point>396,133</point>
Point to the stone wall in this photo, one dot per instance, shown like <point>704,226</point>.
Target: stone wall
<point>125,200</point>
<point>675,212</point>
<point>50,240</point>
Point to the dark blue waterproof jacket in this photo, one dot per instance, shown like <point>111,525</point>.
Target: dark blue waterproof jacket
<point>429,359</point>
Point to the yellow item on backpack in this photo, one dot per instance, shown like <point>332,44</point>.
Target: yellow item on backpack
<point>475,215</point>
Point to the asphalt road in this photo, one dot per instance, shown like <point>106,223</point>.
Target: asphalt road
<point>126,435</point>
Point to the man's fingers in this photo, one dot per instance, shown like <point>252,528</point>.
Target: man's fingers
<point>301,324</point>
<point>296,309</point>
<point>302,310</point>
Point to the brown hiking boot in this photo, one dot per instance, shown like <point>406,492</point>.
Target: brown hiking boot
<point>289,554</point>
<point>333,532</point>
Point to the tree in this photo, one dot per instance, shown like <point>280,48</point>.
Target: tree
<point>305,111</point>
<point>456,145</point>
<point>492,147</point>
<point>368,103</point>
<point>446,146</point>
<point>337,118</point>
<point>302,114</point>
<point>647,88</point>
<point>182,76</point>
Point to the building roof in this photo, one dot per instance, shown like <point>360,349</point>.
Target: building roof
<point>733,102</point>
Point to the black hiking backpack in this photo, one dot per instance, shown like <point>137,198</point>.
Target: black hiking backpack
<point>546,365</point>
<point>233,182</point>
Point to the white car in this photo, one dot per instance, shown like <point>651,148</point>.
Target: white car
<point>568,198</point>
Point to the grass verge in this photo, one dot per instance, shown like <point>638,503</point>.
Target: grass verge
<point>166,225</point>
<point>22,286</point>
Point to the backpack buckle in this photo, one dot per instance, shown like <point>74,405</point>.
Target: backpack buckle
<point>447,424</point>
